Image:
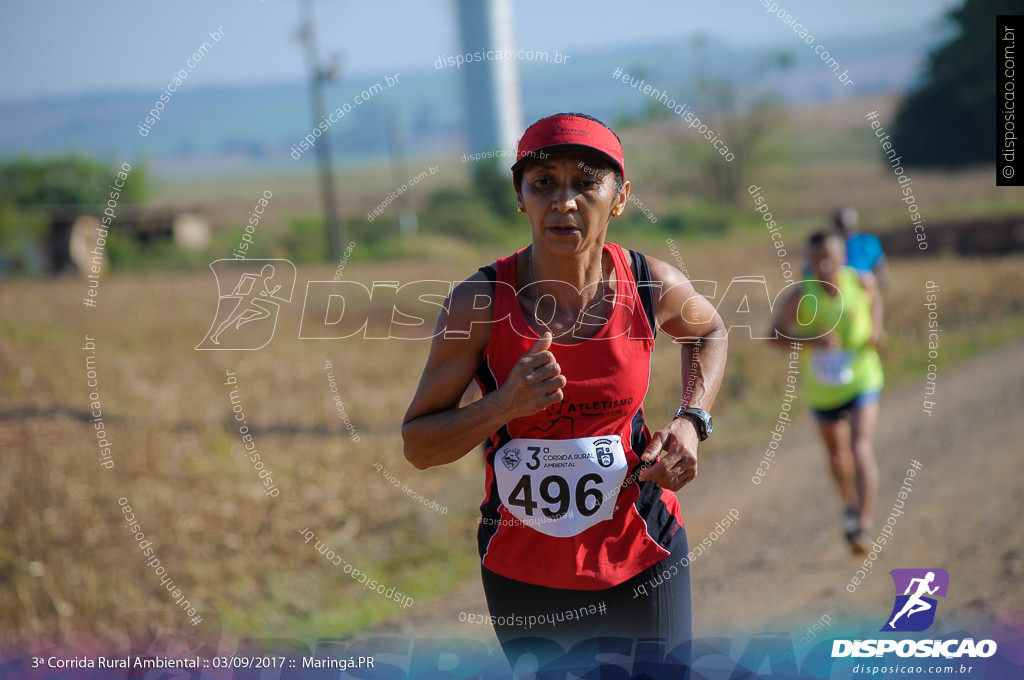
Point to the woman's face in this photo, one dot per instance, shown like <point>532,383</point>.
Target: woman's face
<point>569,198</point>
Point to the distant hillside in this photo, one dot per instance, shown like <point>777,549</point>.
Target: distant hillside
<point>206,130</point>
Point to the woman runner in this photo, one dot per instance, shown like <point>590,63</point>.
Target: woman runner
<point>579,497</point>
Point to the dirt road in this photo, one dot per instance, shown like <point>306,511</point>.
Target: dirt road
<point>785,564</point>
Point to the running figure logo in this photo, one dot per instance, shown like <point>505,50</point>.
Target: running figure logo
<point>914,610</point>
<point>246,317</point>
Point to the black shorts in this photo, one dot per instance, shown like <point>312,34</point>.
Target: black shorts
<point>834,415</point>
<point>654,604</point>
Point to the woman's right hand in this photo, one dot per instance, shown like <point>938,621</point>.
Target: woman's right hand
<point>534,383</point>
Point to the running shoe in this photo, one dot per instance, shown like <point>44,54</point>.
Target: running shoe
<point>853,531</point>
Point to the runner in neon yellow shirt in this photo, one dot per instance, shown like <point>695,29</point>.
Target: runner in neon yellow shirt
<point>838,315</point>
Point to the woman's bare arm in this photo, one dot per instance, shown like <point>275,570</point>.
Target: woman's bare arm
<point>436,430</point>
<point>692,321</point>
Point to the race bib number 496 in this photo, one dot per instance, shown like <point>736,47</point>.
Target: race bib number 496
<point>560,486</point>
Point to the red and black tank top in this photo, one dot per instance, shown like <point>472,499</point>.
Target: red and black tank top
<point>562,506</point>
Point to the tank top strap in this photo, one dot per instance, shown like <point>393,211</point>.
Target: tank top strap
<point>505,293</point>
<point>626,293</point>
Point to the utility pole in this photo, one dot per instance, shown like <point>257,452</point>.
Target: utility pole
<point>407,222</point>
<point>317,76</point>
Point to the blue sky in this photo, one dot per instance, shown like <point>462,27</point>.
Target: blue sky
<point>66,47</point>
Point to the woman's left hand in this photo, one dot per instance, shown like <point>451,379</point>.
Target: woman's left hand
<point>672,455</point>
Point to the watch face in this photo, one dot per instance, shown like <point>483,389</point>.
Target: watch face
<point>701,420</point>
<point>705,419</point>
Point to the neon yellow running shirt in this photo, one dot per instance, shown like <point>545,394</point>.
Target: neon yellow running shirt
<point>835,377</point>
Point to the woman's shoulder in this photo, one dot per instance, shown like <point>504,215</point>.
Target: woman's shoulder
<point>652,268</point>
<point>482,279</point>
<point>469,308</point>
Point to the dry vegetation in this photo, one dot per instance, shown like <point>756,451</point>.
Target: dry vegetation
<point>70,562</point>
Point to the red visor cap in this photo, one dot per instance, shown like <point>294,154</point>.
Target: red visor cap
<point>568,130</point>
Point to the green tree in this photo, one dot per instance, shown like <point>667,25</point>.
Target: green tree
<point>66,181</point>
<point>34,190</point>
<point>950,120</point>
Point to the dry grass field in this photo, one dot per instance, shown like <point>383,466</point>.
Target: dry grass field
<point>70,569</point>
<point>238,554</point>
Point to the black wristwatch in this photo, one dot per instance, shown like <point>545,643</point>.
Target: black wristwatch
<point>701,419</point>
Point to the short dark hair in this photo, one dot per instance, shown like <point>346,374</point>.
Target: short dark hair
<point>818,238</point>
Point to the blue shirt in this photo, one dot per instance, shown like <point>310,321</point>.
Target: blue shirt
<point>863,251</point>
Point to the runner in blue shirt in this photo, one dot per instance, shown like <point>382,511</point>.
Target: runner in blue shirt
<point>863,251</point>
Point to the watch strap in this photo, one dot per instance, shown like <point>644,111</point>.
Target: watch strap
<point>701,420</point>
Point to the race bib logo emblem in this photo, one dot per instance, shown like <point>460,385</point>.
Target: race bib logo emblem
<point>914,610</point>
<point>511,459</point>
<point>603,451</point>
<point>246,316</point>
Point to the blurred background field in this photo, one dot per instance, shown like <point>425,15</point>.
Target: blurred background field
<point>70,570</point>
